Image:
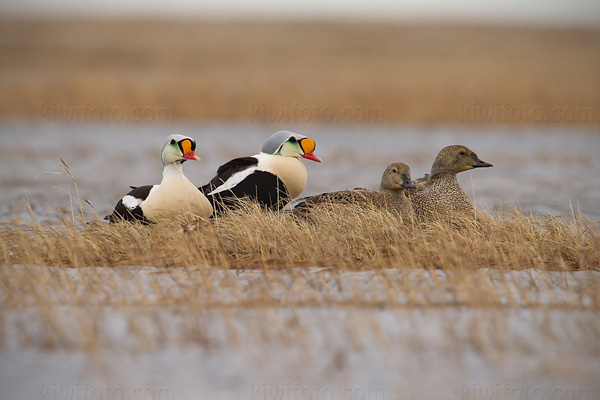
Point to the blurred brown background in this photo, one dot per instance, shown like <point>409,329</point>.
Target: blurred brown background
<point>236,70</point>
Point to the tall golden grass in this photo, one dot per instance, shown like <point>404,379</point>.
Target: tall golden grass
<point>141,270</point>
<point>344,237</point>
<point>93,267</point>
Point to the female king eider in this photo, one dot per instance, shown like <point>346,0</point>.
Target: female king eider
<point>272,178</point>
<point>175,195</point>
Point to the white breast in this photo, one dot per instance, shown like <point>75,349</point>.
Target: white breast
<point>175,196</point>
<point>290,170</point>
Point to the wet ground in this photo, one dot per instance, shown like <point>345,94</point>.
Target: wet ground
<point>344,351</point>
<point>547,169</point>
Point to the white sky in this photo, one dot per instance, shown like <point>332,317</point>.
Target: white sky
<point>531,12</point>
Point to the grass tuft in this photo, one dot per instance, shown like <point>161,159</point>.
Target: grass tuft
<point>344,237</point>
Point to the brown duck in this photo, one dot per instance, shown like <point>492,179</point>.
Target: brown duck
<point>394,182</point>
<point>440,194</point>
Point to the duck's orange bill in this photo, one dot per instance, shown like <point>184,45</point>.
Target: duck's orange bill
<point>308,146</point>
<point>188,152</point>
<point>311,156</point>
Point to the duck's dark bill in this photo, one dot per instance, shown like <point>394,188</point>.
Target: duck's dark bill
<point>480,164</point>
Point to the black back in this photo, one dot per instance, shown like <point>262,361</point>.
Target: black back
<point>260,186</point>
<point>226,170</point>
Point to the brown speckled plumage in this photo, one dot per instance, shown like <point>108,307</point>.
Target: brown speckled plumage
<point>440,194</point>
<point>394,182</point>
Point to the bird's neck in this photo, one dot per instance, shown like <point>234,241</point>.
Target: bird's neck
<point>443,175</point>
<point>173,171</point>
<point>392,191</point>
<point>296,156</point>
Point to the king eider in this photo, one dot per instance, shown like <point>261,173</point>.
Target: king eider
<point>272,178</point>
<point>439,194</point>
<point>175,196</point>
<point>395,181</point>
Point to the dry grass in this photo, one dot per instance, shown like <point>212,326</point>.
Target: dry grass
<point>347,237</point>
<point>80,268</point>
<point>211,70</point>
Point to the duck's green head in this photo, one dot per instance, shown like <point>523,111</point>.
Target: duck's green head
<point>290,144</point>
<point>178,148</point>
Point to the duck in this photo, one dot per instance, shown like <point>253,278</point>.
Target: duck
<point>439,193</point>
<point>271,178</point>
<point>396,179</point>
<point>176,195</point>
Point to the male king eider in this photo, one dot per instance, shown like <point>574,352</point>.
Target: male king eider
<point>272,178</point>
<point>175,195</point>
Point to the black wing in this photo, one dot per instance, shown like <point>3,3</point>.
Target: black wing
<point>226,170</point>
<point>260,186</point>
<point>122,213</point>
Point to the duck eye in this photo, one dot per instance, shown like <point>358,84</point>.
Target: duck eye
<point>462,153</point>
<point>395,170</point>
<point>173,141</point>
<point>292,139</point>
